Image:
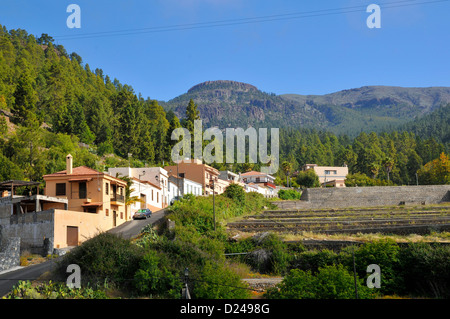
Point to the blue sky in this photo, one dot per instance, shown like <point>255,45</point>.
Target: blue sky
<point>311,55</point>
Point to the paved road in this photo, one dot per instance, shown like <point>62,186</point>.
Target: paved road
<point>132,228</point>
<point>10,278</point>
<point>127,230</point>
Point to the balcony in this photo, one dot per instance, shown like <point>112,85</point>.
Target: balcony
<point>269,184</point>
<point>117,199</point>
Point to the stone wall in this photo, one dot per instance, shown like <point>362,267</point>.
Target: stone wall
<point>375,196</point>
<point>10,253</point>
<point>35,230</point>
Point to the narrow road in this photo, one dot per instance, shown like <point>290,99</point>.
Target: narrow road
<point>132,228</point>
<point>9,279</point>
<point>127,230</point>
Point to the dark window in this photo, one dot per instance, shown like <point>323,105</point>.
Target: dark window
<point>82,190</point>
<point>92,210</point>
<point>106,188</point>
<point>107,212</point>
<point>60,189</point>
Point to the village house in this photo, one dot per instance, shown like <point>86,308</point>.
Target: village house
<point>264,182</point>
<point>203,174</point>
<point>150,185</point>
<point>96,202</point>
<point>78,203</point>
<point>329,175</point>
<point>185,186</point>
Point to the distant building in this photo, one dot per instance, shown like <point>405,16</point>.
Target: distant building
<point>152,179</point>
<point>264,182</point>
<point>329,175</point>
<point>186,186</point>
<point>195,170</point>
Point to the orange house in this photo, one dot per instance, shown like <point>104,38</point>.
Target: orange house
<point>198,172</point>
<point>96,202</point>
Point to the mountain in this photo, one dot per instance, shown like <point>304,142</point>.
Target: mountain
<point>236,104</point>
<point>435,124</point>
<point>231,103</point>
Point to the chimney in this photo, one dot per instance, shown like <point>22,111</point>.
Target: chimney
<point>69,164</point>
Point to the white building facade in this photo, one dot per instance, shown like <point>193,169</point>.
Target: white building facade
<point>156,178</point>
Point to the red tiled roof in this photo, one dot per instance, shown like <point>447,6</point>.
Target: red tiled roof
<point>251,173</point>
<point>145,182</point>
<point>80,170</point>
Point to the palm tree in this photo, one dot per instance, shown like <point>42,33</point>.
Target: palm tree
<point>388,163</point>
<point>287,167</point>
<point>129,200</point>
<point>375,169</point>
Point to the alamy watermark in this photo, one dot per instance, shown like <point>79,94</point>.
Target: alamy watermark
<point>374,19</point>
<point>74,19</point>
<point>74,279</point>
<point>213,152</point>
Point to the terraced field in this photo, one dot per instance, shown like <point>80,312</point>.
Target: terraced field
<point>402,220</point>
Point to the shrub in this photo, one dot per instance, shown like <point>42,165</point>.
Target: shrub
<point>105,257</point>
<point>235,192</point>
<point>382,252</point>
<point>425,270</point>
<point>270,254</point>
<point>155,278</point>
<point>313,260</point>
<point>218,282</point>
<point>289,194</point>
<point>330,282</point>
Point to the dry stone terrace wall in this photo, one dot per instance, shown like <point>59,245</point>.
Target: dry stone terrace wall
<point>370,196</point>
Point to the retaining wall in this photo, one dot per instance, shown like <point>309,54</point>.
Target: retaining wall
<point>375,196</point>
<point>10,253</point>
<point>35,230</point>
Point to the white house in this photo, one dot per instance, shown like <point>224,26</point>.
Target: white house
<point>150,195</point>
<point>186,186</point>
<point>155,176</point>
<point>264,182</point>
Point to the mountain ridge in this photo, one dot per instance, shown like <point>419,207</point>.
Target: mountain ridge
<point>378,107</point>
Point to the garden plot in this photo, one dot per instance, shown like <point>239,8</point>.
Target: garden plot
<point>386,220</point>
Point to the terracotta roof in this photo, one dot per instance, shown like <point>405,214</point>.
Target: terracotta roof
<point>252,173</point>
<point>93,204</point>
<point>145,182</point>
<point>80,170</point>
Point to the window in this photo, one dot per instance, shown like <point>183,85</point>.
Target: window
<point>121,215</point>
<point>92,210</point>
<point>106,188</point>
<point>82,190</point>
<point>60,189</point>
<point>107,212</point>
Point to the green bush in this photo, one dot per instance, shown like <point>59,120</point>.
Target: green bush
<point>383,253</point>
<point>330,282</point>
<point>289,194</point>
<point>218,282</point>
<point>154,277</point>
<point>235,192</point>
<point>425,270</point>
<point>312,260</point>
<point>268,254</point>
<point>103,258</point>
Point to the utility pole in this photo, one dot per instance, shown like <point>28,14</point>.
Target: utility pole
<point>354,273</point>
<point>185,291</point>
<point>214,203</point>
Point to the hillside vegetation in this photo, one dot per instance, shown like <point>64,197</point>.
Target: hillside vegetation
<point>52,103</point>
